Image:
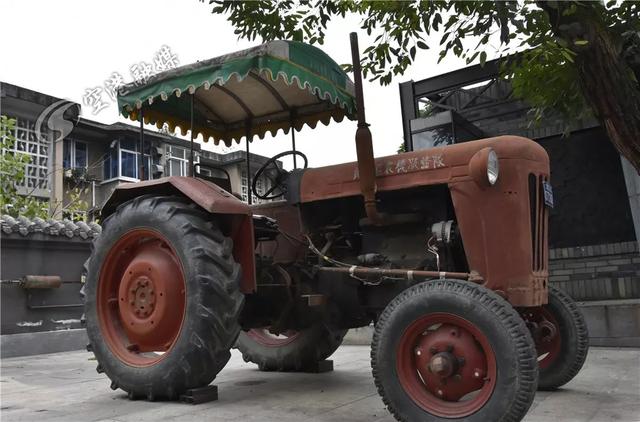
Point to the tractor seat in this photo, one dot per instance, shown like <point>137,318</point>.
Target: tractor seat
<point>214,174</point>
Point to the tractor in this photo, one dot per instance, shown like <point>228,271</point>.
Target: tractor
<point>443,250</point>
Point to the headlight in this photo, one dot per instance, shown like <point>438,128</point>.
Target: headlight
<point>493,167</point>
<point>484,167</point>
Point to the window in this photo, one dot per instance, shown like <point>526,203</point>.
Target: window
<point>36,180</point>
<point>178,161</point>
<point>75,154</point>
<point>262,186</point>
<point>122,161</point>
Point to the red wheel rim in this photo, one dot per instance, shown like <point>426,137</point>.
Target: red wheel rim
<point>141,297</point>
<point>545,330</point>
<point>446,365</point>
<point>266,338</point>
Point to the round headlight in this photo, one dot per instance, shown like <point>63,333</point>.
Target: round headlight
<point>493,167</point>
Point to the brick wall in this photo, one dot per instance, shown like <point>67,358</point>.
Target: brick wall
<point>598,272</point>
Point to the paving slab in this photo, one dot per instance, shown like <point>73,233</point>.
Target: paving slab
<point>66,387</point>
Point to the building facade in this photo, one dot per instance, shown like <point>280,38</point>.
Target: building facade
<point>75,160</point>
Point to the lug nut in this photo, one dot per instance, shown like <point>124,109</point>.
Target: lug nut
<point>418,352</point>
<point>440,392</point>
<point>477,373</point>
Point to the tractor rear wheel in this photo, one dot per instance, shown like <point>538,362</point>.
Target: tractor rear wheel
<point>162,298</point>
<point>452,350</point>
<point>561,338</point>
<point>291,350</point>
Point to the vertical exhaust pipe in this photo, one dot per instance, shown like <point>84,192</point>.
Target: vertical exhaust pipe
<point>364,145</point>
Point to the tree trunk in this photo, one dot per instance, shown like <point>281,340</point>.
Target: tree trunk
<point>605,77</point>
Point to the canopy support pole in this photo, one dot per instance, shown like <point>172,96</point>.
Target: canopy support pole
<point>191,154</point>
<point>247,137</point>
<point>293,138</point>
<point>141,170</point>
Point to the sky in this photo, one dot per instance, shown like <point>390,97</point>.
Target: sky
<point>64,48</point>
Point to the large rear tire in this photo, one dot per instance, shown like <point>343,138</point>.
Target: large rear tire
<point>451,350</point>
<point>290,351</point>
<point>162,298</point>
<point>562,339</point>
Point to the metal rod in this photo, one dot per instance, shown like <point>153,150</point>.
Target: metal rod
<point>191,155</point>
<point>357,79</point>
<point>73,305</point>
<point>248,136</point>
<point>141,143</point>
<point>384,272</point>
<point>293,145</point>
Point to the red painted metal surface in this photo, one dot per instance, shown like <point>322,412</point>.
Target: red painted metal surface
<point>546,334</point>
<point>141,297</point>
<point>446,365</point>
<point>212,198</point>
<point>502,242</point>
<point>285,249</point>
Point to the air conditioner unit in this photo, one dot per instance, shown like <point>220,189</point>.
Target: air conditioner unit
<point>157,169</point>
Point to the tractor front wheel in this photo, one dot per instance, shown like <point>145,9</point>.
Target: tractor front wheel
<point>452,350</point>
<point>291,350</point>
<point>162,298</point>
<point>561,337</point>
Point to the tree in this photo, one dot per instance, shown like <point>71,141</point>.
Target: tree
<point>580,57</point>
<point>12,172</point>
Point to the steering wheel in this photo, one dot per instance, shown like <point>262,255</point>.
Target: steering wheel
<point>276,176</point>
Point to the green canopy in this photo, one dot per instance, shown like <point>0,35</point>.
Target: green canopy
<point>277,85</point>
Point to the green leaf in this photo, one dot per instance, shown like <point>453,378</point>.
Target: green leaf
<point>422,45</point>
<point>437,20</point>
<point>566,55</point>
<point>581,42</point>
<point>483,58</point>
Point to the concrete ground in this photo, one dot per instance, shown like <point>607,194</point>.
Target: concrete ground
<point>65,387</point>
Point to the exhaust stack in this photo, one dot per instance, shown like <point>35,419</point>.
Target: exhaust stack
<point>364,145</point>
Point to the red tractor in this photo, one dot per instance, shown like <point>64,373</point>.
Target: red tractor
<point>444,250</point>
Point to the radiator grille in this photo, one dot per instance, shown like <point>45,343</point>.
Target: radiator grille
<point>539,220</point>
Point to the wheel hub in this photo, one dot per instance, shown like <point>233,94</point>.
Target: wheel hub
<point>446,365</point>
<point>151,288</point>
<point>545,331</point>
<point>450,362</point>
<point>142,297</point>
<point>443,364</point>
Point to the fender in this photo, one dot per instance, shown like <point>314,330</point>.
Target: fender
<point>237,221</point>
